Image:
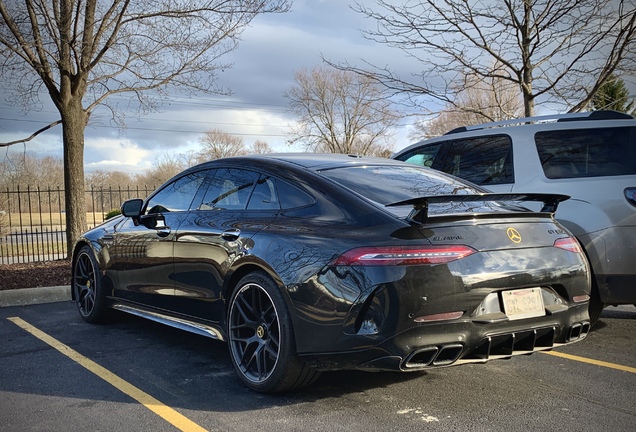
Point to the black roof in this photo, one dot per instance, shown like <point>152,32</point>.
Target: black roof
<point>296,161</point>
<point>318,161</point>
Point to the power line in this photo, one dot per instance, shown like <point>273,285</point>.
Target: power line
<point>199,132</point>
<point>205,102</point>
<point>169,130</point>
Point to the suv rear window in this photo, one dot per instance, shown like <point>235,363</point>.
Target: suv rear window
<point>587,152</point>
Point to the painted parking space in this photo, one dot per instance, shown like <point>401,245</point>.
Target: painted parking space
<point>41,389</point>
<point>168,414</point>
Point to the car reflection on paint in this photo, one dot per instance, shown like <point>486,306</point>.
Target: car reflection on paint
<point>304,263</point>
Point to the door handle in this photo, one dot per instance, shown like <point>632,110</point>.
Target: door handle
<point>163,232</point>
<point>231,234</point>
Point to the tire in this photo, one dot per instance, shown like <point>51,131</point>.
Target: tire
<point>87,288</point>
<point>261,338</point>
<point>596,305</point>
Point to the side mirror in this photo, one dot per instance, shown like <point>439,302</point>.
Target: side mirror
<point>132,208</point>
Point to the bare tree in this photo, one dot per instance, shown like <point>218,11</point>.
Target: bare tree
<point>82,52</point>
<point>340,112</point>
<point>479,100</point>
<point>260,147</point>
<point>164,168</point>
<point>29,170</point>
<point>109,179</point>
<point>561,51</point>
<point>217,144</point>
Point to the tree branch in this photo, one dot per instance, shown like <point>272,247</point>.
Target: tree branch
<point>7,144</point>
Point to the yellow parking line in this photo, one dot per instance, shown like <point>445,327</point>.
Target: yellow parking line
<point>170,415</point>
<point>591,361</point>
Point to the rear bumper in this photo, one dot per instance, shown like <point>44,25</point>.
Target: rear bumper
<point>414,317</point>
<point>462,342</point>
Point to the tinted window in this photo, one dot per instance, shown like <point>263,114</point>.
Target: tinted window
<point>387,184</point>
<point>291,197</point>
<point>587,152</point>
<point>422,156</point>
<point>229,189</point>
<point>484,160</point>
<point>176,196</point>
<point>264,196</point>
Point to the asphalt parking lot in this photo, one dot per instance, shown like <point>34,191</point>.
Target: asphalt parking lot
<point>59,374</point>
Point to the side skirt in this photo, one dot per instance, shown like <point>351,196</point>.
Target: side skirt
<point>180,323</point>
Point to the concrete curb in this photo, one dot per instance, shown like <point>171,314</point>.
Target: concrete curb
<point>29,296</point>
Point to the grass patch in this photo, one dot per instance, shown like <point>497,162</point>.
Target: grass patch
<point>32,248</point>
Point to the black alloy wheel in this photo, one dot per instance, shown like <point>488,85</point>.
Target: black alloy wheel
<point>261,338</point>
<point>87,290</point>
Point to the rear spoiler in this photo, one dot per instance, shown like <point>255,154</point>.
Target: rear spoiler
<point>420,205</point>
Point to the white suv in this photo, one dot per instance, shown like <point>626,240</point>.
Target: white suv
<point>589,156</point>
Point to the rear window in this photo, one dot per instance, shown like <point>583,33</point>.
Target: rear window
<point>388,184</point>
<point>595,152</point>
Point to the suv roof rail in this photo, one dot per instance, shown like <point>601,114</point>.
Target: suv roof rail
<point>594,115</point>
<point>602,115</point>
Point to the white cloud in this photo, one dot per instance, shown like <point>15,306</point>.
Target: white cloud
<point>272,49</point>
<point>118,154</point>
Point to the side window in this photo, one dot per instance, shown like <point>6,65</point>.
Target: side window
<point>594,152</point>
<point>483,161</point>
<point>229,189</point>
<point>292,197</point>
<point>423,156</point>
<point>176,196</point>
<point>264,196</point>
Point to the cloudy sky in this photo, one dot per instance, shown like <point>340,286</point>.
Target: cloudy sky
<point>273,48</point>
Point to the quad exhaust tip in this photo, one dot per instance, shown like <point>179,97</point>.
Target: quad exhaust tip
<point>443,355</point>
<point>497,346</point>
<point>578,331</point>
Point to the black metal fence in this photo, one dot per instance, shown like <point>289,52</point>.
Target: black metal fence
<point>33,220</point>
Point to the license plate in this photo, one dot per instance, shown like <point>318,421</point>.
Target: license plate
<point>523,303</point>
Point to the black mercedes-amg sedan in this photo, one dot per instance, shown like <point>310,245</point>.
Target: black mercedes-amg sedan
<point>312,262</point>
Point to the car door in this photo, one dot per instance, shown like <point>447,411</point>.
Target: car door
<point>237,204</point>
<point>144,247</point>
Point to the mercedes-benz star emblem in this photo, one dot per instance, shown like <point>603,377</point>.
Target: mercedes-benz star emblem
<point>513,235</point>
<point>260,332</point>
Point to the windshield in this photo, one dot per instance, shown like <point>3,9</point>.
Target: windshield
<point>391,183</point>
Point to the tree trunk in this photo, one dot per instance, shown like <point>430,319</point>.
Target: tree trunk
<point>528,100</point>
<point>526,56</point>
<point>74,121</point>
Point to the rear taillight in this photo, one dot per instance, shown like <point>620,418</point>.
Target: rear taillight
<point>569,244</point>
<point>403,255</point>
<point>630,194</point>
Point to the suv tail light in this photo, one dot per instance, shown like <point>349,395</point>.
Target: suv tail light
<point>630,194</point>
<point>403,255</point>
